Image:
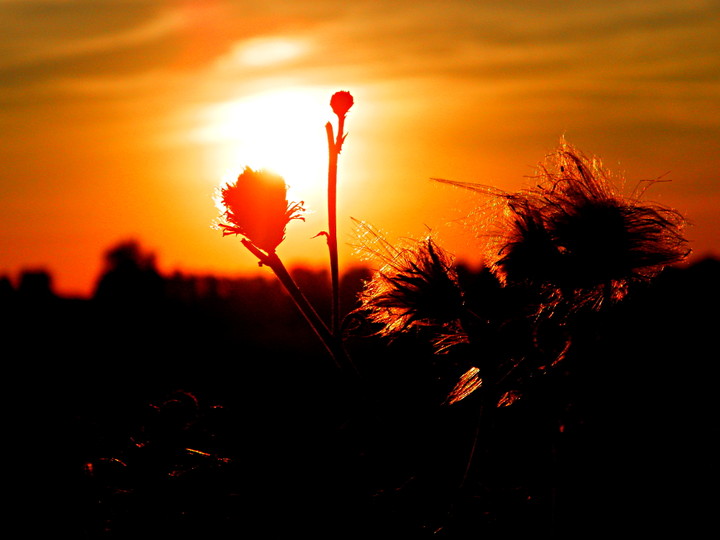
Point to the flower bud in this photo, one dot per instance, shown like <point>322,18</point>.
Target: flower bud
<point>341,102</point>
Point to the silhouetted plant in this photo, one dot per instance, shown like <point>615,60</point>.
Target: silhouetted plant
<point>415,286</point>
<point>340,102</point>
<point>575,238</point>
<point>569,245</point>
<point>570,242</point>
<point>256,208</point>
<point>130,275</point>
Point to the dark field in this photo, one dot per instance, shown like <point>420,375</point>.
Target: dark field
<point>180,407</point>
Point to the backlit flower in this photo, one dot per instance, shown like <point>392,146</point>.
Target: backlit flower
<point>256,207</point>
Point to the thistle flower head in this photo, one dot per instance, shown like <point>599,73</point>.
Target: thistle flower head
<point>341,102</point>
<point>256,207</point>
<point>416,286</point>
<point>577,237</point>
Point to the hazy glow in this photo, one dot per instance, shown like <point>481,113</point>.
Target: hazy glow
<point>261,52</point>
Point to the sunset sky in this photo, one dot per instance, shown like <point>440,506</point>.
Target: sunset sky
<point>119,118</point>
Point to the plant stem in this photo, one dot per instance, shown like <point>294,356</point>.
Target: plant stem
<point>333,151</point>
<point>273,261</point>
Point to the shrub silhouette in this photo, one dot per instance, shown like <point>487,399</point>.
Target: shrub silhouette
<point>130,275</point>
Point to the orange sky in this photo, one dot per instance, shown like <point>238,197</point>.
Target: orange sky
<point>119,118</point>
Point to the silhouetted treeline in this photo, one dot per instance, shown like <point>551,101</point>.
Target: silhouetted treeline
<point>194,406</point>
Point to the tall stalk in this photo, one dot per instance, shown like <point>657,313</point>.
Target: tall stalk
<point>340,103</point>
<point>332,229</point>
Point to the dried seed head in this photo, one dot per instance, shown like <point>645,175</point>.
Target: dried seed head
<point>578,238</point>
<point>416,286</point>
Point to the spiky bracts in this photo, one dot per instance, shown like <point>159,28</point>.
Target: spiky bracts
<point>256,207</point>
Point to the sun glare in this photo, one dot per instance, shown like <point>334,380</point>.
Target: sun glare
<point>281,130</point>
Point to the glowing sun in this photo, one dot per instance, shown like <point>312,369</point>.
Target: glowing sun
<point>280,130</point>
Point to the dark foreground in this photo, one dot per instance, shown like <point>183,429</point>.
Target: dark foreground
<point>188,410</point>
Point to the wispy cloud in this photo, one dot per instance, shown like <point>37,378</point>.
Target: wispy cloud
<point>482,41</point>
<point>57,46</point>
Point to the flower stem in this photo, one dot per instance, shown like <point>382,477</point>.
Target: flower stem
<point>275,264</point>
<point>333,151</point>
